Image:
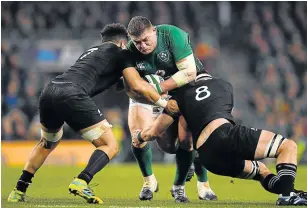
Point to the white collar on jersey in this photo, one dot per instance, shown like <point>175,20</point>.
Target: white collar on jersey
<point>203,76</point>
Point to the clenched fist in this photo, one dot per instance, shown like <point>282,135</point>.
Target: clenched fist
<point>172,108</point>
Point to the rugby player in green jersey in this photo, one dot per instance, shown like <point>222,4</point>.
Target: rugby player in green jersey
<point>164,50</point>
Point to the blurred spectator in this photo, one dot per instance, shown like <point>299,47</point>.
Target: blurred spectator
<point>12,99</point>
<point>14,125</point>
<point>34,130</point>
<point>31,102</point>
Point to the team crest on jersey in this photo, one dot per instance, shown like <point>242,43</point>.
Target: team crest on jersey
<point>140,65</point>
<point>164,56</point>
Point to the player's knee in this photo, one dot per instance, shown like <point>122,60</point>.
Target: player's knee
<point>278,144</point>
<point>114,148</point>
<point>97,133</point>
<point>50,140</point>
<point>48,145</point>
<point>251,170</point>
<point>287,146</point>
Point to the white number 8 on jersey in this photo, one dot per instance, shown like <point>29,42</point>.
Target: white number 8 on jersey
<point>202,93</point>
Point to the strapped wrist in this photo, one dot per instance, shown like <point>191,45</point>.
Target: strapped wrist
<point>161,102</point>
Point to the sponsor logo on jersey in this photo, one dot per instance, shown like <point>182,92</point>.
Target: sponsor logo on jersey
<point>100,114</point>
<point>164,56</point>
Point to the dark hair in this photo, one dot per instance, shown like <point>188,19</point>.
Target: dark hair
<point>138,25</point>
<point>113,32</point>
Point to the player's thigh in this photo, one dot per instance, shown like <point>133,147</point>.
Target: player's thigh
<point>79,111</point>
<point>220,164</point>
<point>235,141</point>
<point>51,121</point>
<point>49,118</point>
<point>168,141</point>
<point>229,146</point>
<point>139,116</point>
<point>184,134</point>
<point>270,144</point>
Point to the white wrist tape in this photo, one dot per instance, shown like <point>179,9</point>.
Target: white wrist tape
<point>161,102</point>
<point>187,71</point>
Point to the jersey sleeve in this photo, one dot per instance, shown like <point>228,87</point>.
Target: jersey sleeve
<point>126,60</point>
<point>180,43</point>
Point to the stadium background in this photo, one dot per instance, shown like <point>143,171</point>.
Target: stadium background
<point>259,47</point>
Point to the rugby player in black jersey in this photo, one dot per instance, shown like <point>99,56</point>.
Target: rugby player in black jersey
<point>226,148</point>
<point>68,98</point>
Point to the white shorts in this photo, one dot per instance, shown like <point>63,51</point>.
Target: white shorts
<point>156,110</point>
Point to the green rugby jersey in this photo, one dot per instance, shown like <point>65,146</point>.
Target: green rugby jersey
<point>173,44</point>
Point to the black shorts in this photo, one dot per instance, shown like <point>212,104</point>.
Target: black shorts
<point>227,148</point>
<point>70,103</point>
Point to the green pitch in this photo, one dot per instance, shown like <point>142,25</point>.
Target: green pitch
<point>119,186</point>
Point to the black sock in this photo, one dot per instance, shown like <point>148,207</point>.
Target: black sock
<point>184,160</point>
<point>24,181</point>
<point>271,183</point>
<point>200,170</point>
<point>98,160</point>
<point>283,182</point>
<point>286,173</point>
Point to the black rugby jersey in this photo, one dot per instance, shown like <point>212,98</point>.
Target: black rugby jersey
<point>97,69</point>
<point>203,101</point>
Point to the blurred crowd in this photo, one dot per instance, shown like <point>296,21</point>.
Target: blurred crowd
<point>277,37</point>
<point>275,34</point>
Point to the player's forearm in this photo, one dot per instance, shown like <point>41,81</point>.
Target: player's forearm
<point>156,129</point>
<point>147,135</point>
<point>145,93</point>
<point>140,90</point>
<point>168,85</point>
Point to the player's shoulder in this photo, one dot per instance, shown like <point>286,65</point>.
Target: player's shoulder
<point>103,50</point>
<point>125,53</point>
<point>169,29</point>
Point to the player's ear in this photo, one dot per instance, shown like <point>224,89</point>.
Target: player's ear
<point>123,44</point>
<point>154,29</point>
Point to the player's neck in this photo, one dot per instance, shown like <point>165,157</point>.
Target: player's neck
<point>115,43</point>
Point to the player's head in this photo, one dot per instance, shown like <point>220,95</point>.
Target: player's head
<point>116,33</point>
<point>143,34</point>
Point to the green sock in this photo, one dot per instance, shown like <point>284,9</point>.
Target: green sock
<point>184,161</point>
<point>144,158</point>
<point>200,171</point>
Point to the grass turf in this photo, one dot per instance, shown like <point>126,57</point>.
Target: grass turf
<point>119,186</point>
